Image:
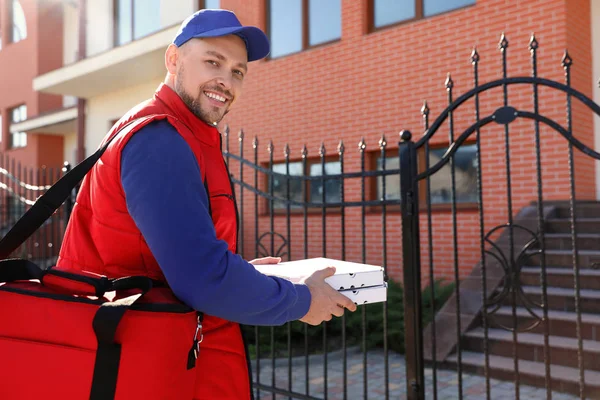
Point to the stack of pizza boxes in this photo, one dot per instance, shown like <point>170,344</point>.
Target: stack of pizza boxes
<point>362,283</point>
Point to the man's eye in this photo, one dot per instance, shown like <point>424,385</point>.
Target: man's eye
<point>212,62</point>
<point>239,73</point>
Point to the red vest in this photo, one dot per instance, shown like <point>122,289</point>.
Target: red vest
<point>102,237</point>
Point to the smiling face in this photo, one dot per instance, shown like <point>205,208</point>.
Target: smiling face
<point>207,74</point>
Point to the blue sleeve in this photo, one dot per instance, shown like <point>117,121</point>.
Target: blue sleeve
<point>166,198</point>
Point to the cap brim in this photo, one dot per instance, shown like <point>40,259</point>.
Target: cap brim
<point>257,43</point>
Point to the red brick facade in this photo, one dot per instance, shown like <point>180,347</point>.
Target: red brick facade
<point>373,83</point>
<point>41,51</point>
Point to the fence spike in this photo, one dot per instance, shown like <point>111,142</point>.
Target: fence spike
<point>474,56</point>
<point>226,130</point>
<point>533,43</point>
<point>241,135</point>
<point>425,108</point>
<point>286,150</point>
<point>304,151</point>
<point>322,149</point>
<point>566,61</point>
<point>270,147</point>
<point>362,145</point>
<point>449,82</point>
<point>341,148</point>
<point>382,142</point>
<point>255,142</point>
<point>503,45</point>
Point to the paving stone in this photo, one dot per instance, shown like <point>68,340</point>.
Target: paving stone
<point>474,386</point>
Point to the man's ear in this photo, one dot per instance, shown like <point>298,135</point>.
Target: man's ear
<point>171,58</point>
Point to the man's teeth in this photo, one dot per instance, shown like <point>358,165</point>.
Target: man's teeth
<point>215,96</point>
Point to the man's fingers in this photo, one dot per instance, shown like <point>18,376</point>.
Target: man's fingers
<point>324,273</point>
<point>338,311</point>
<point>345,302</point>
<point>266,260</point>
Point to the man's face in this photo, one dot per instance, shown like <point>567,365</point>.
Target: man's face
<point>209,76</point>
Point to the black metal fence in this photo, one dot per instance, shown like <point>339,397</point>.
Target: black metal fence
<point>304,207</point>
<point>523,313</point>
<point>467,217</point>
<point>20,186</point>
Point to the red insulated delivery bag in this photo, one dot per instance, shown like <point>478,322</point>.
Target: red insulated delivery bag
<point>67,335</point>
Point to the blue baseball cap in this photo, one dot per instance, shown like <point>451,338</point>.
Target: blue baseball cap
<point>215,22</point>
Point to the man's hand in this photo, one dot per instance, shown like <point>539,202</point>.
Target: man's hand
<point>265,260</point>
<point>325,300</point>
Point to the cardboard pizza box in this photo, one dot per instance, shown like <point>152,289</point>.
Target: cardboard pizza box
<point>367,295</point>
<point>348,275</point>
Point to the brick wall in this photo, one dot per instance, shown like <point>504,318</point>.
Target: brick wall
<point>373,83</point>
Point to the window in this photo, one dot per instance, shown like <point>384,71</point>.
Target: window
<point>388,12</point>
<point>295,25</point>
<point>135,19</point>
<point>332,186</point>
<point>280,184</point>
<point>465,175</point>
<point>304,190</point>
<point>210,4</point>
<point>18,114</point>
<point>19,25</point>
<point>392,182</point>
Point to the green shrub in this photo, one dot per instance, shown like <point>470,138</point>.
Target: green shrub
<point>304,338</point>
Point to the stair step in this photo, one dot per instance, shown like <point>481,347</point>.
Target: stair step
<point>564,258</point>
<point>564,241</point>
<point>563,350</point>
<point>563,379</point>
<point>563,225</point>
<point>561,277</point>
<point>561,299</point>
<point>582,210</point>
<point>562,323</point>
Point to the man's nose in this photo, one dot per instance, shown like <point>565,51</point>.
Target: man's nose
<point>225,81</point>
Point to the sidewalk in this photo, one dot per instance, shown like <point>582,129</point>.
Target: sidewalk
<point>447,381</point>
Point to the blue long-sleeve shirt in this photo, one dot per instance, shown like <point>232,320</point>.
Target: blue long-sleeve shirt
<point>167,200</point>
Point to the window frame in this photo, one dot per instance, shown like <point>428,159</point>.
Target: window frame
<point>419,15</point>
<point>310,161</point>
<point>11,22</point>
<point>132,32</point>
<point>11,142</point>
<point>201,5</point>
<point>305,23</point>
<point>373,185</point>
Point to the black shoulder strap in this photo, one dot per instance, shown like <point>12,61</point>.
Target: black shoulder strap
<point>49,202</point>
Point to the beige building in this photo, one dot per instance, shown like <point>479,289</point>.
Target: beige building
<point>116,63</point>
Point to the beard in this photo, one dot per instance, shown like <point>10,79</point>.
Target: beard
<point>212,115</point>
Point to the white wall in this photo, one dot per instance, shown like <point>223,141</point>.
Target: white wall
<point>103,109</point>
<point>100,21</point>
<point>70,148</point>
<point>70,32</point>
<point>595,6</point>
<point>174,11</point>
<point>70,41</point>
<point>99,26</point>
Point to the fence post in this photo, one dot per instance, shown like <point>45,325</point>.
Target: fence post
<point>411,260</point>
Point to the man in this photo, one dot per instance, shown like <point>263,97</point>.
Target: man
<point>160,203</point>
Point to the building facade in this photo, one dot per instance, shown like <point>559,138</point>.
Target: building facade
<point>348,70</point>
<point>31,35</point>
